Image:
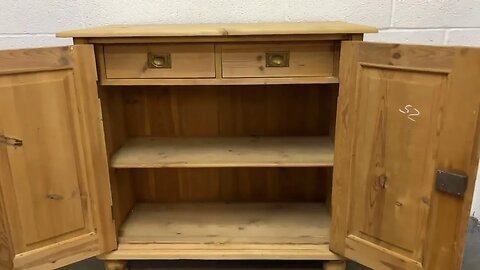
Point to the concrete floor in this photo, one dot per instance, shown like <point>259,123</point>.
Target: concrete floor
<point>471,261</point>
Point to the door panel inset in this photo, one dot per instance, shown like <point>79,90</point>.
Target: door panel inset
<point>395,149</point>
<point>46,168</point>
<point>53,171</point>
<point>404,112</point>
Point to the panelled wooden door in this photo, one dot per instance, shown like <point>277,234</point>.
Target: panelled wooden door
<point>404,112</point>
<point>53,170</point>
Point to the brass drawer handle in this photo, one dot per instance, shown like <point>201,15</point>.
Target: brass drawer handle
<point>277,59</point>
<point>159,60</point>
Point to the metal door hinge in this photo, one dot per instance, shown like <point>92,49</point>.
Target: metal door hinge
<point>451,183</point>
<point>10,141</point>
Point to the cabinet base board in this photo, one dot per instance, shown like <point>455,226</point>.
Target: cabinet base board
<point>220,252</point>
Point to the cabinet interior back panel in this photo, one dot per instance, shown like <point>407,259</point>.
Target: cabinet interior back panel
<point>195,111</point>
<point>224,111</point>
<point>232,184</point>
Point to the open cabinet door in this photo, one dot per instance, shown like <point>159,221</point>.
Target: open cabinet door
<point>406,154</point>
<point>54,182</point>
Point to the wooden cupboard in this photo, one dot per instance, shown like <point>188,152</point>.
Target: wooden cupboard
<point>286,141</point>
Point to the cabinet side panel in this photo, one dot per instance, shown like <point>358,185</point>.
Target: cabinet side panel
<point>113,110</point>
<point>95,146</point>
<point>345,124</point>
<point>6,254</point>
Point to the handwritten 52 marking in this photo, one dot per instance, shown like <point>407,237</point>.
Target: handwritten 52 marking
<point>410,111</point>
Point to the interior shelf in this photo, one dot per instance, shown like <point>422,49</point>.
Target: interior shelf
<point>225,152</point>
<point>225,230</point>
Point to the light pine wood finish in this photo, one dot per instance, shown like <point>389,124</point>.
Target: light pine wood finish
<point>216,39</point>
<point>225,152</point>
<point>115,135</point>
<point>223,81</point>
<point>232,184</point>
<point>223,224</point>
<point>220,157</point>
<point>220,252</point>
<point>387,213</point>
<point>251,29</point>
<point>115,265</point>
<point>22,61</point>
<point>305,59</point>
<point>187,61</point>
<point>227,111</point>
<point>6,248</point>
<point>203,231</point>
<point>95,150</point>
<point>60,172</point>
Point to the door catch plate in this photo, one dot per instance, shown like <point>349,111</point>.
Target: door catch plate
<point>451,183</point>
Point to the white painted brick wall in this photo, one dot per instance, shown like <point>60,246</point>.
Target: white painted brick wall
<point>32,23</point>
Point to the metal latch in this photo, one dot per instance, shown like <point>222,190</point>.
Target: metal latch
<point>451,183</point>
<point>10,141</point>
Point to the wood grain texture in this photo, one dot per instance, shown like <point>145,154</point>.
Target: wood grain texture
<point>51,176</point>
<point>224,81</point>
<point>226,111</point>
<point>35,60</point>
<point>115,265</point>
<point>6,245</point>
<point>221,223</point>
<point>225,231</point>
<point>376,257</point>
<point>187,61</point>
<point>386,212</point>
<point>305,59</point>
<point>40,190</point>
<point>250,29</point>
<point>115,136</point>
<point>59,254</point>
<point>232,184</point>
<point>225,152</point>
<point>95,146</point>
<point>222,39</point>
<point>220,252</point>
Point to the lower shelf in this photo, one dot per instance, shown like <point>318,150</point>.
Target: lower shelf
<point>225,231</point>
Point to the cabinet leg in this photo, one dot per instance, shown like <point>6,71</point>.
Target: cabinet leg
<point>115,265</point>
<point>334,265</point>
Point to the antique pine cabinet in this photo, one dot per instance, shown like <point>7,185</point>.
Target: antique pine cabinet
<point>288,141</point>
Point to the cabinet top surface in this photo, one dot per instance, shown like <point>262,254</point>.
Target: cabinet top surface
<point>190,30</point>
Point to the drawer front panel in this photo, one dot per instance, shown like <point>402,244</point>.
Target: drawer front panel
<point>160,61</point>
<point>289,59</point>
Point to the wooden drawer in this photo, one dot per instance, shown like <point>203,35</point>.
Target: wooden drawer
<point>290,59</point>
<point>160,61</point>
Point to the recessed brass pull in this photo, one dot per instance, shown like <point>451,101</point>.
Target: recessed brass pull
<point>277,59</point>
<point>159,60</point>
